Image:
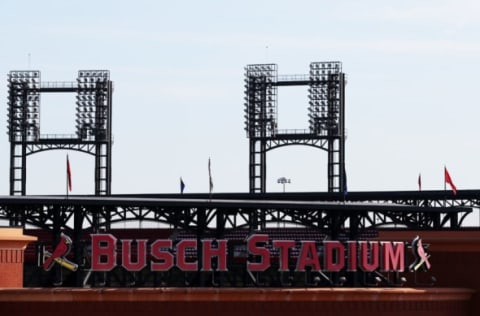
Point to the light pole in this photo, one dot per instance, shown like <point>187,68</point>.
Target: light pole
<point>283,180</point>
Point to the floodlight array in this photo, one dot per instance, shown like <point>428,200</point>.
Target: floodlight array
<point>92,104</point>
<point>88,79</point>
<point>261,99</point>
<point>24,105</point>
<point>324,97</point>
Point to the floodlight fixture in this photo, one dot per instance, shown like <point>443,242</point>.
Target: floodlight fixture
<point>260,100</point>
<point>92,103</point>
<point>325,89</point>
<point>24,98</point>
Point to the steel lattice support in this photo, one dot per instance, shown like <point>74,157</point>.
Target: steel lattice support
<point>261,119</point>
<point>93,136</point>
<point>223,217</point>
<point>23,123</point>
<point>326,84</point>
<point>216,215</point>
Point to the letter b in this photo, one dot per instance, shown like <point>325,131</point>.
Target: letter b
<point>103,252</point>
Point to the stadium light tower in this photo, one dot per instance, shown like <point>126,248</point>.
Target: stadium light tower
<point>326,93</point>
<point>93,136</point>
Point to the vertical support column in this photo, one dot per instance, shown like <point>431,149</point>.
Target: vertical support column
<point>333,172</point>
<point>258,166</point>
<point>335,225</point>
<point>336,134</point>
<point>18,132</point>
<point>77,242</point>
<point>12,248</point>
<point>18,174</point>
<point>103,138</point>
<point>18,115</point>
<point>57,277</point>
<point>220,223</point>
<point>261,119</point>
<point>327,121</point>
<point>252,220</point>
<point>256,220</point>
<point>201,228</point>
<point>23,123</point>
<point>101,169</point>
<point>343,174</point>
<point>108,180</point>
<point>18,166</point>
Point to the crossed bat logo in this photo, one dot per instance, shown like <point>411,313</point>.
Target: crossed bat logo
<point>421,257</point>
<point>59,254</point>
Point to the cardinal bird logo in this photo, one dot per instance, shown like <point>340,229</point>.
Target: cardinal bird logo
<point>421,257</point>
<point>58,255</point>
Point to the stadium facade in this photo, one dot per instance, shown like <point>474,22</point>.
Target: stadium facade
<point>330,253</point>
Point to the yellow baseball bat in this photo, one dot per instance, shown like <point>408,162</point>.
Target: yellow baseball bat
<point>67,264</point>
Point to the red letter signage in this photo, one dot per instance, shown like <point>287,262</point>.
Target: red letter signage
<point>103,252</point>
<point>368,255</point>
<point>160,252</point>
<point>186,255</point>
<point>283,246</point>
<point>352,256</point>
<point>127,261</point>
<point>263,252</point>
<point>182,263</point>
<point>209,252</point>
<point>334,255</point>
<point>393,256</point>
<point>308,256</point>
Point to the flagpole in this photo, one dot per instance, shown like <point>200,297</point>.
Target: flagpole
<point>210,181</point>
<point>66,174</point>
<point>444,180</point>
<point>444,186</point>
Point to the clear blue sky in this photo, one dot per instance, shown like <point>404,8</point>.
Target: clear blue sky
<point>412,102</point>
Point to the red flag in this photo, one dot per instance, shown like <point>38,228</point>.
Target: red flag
<point>69,176</point>
<point>448,180</point>
<point>419,182</point>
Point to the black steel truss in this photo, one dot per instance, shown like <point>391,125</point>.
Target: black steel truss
<point>93,90</point>
<point>412,210</point>
<point>326,130</point>
<point>338,216</point>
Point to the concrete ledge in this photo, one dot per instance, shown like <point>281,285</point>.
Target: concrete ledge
<point>234,294</point>
<point>230,301</point>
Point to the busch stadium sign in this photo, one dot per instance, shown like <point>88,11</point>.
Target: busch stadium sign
<point>326,256</point>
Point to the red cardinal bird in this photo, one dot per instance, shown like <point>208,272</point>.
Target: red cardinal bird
<point>62,249</point>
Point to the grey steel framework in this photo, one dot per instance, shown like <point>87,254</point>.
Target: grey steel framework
<point>93,136</point>
<point>326,130</point>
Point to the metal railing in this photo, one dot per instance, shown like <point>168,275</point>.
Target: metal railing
<point>294,131</point>
<point>58,84</point>
<point>301,77</point>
